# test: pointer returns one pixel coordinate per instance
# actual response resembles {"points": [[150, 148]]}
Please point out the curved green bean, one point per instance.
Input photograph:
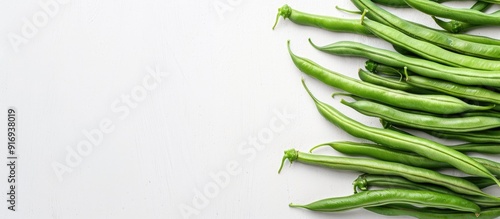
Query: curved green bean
{"points": [[419, 121], [383, 153], [430, 51], [396, 140], [459, 14], [441, 104], [363, 182], [392, 196], [414, 174], [418, 66], [323, 22], [425, 213], [478, 148], [454, 89]]}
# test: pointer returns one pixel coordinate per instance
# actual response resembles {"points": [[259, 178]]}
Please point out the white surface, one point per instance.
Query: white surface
{"points": [[225, 76]]}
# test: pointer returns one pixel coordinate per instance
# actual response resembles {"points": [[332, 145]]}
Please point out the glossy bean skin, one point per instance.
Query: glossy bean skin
{"points": [[398, 141], [454, 89], [478, 148], [375, 67], [418, 66], [419, 121], [414, 174], [392, 196], [440, 104], [430, 51], [480, 182], [401, 31], [426, 213], [488, 113], [455, 26], [381, 152], [365, 181], [324, 22], [459, 14]]}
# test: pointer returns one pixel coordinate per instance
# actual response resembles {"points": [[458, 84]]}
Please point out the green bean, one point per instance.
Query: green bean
{"points": [[441, 104], [480, 182], [398, 141], [401, 31], [419, 121], [477, 39], [454, 89], [375, 67], [383, 153], [363, 182], [455, 26], [323, 22], [391, 196], [393, 3], [418, 66], [488, 113], [489, 136], [425, 213], [390, 83], [430, 51], [415, 174], [478, 148], [459, 14]]}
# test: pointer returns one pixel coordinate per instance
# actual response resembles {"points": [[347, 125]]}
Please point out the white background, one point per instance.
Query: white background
{"points": [[225, 76]]}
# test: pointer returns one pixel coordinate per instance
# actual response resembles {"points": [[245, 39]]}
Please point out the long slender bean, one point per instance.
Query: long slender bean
{"points": [[419, 121], [418, 66], [454, 89], [390, 196], [478, 148], [459, 14], [415, 174], [324, 22], [365, 181], [441, 104], [425, 213]]}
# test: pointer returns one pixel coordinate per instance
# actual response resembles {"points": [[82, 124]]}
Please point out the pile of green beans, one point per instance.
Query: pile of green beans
{"points": [[439, 82]]}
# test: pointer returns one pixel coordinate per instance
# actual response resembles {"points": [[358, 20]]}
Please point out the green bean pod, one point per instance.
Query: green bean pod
{"points": [[327, 23], [489, 136], [383, 153], [392, 196], [386, 154], [478, 148], [390, 83], [430, 51], [419, 121], [405, 30], [375, 67], [454, 89], [440, 104], [419, 66], [455, 26], [398, 141], [415, 174], [480, 182], [427, 213], [459, 14], [488, 113], [363, 182]]}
